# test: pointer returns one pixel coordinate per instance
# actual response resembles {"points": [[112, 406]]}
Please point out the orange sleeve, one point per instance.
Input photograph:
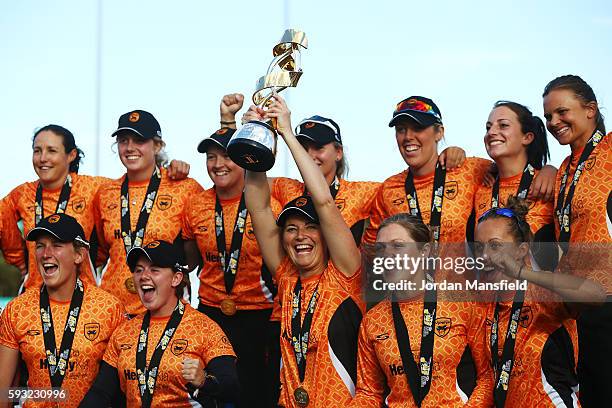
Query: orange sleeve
{"points": [[214, 342], [7, 330], [482, 396], [13, 245], [377, 216], [111, 355], [186, 231], [371, 381]]}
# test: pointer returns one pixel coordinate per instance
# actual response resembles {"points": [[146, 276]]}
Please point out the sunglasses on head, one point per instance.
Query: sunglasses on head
{"points": [[504, 212], [416, 105]]}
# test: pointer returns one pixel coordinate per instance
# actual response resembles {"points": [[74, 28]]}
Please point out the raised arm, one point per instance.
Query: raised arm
{"points": [[257, 197], [578, 292], [342, 248]]}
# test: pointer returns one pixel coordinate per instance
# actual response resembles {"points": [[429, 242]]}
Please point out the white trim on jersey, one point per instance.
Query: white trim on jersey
{"points": [[344, 375], [554, 396], [462, 394]]}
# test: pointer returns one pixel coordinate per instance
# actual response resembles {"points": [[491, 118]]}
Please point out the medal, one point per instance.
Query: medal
{"points": [[228, 307], [301, 397], [130, 285]]}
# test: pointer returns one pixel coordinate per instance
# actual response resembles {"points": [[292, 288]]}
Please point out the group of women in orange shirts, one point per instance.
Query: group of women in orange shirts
{"points": [[282, 280]]}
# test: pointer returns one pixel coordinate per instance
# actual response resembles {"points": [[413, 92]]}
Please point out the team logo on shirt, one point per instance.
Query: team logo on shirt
{"points": [[590, 163], [92, 330], [381, 337], [442, 326], [78, 205], [340, 203], [202, 228], [451, 188], [179, 346], [164, 202], [526, 316], [33, 332], [221, 131]]}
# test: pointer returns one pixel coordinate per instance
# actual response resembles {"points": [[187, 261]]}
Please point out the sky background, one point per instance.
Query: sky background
{"points": [[177, 59]]}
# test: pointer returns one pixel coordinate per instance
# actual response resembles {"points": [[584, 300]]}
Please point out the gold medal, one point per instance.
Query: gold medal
{"points": [[130, 285], [228, 307], [301, 397]]}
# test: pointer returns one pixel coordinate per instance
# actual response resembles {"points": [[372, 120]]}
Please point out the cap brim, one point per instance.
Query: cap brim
{"points": [[422, 119], [37, 231], [133, 254], [282, 217], [206, 143], [121, 129]]}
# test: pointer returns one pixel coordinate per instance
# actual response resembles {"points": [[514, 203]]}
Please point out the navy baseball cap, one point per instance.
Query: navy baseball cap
{"points": [[301, 205], [420, 109], [140, 122], [161, 253], [319, 130], [220, 138], [61, 226]]}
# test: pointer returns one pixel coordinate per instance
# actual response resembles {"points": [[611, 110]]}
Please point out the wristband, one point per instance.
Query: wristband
{"points": [[227, 122]]}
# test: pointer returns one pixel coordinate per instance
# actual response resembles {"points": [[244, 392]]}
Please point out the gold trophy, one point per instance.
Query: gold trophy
{"points": [[254, 146]]}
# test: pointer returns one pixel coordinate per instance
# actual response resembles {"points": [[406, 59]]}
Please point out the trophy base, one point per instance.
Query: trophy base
{"points": [[253, 147]]}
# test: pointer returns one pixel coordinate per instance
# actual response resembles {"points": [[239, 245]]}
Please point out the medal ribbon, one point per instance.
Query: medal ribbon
{"points": [[437, 197], [523, 188], [62, 201], [229, 262], [147, 375], [564, 203], [502, 368], [135, 238], [57, 364], [419, 376], [300, 332]]}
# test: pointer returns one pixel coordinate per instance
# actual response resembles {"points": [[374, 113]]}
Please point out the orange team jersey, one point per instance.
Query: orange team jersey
{"points": [[21, 329], [196, 337], [380, 368], [331, 358], [253, 288], [545, 352], [164, 224], [20, 205], [540, 212], [591, 214], [459, 190], [354, 200]]}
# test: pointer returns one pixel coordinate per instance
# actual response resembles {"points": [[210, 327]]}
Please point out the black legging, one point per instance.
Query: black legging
{"points": [[247, 330]]}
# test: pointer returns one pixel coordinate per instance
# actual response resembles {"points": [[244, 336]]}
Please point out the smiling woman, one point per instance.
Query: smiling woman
{"points": [[200, 364], [56, 159], [143, 205], [62, 330]]}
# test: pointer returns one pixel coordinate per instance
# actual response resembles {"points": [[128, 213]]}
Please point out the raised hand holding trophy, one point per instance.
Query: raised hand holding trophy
{"points": [[254, 146]]}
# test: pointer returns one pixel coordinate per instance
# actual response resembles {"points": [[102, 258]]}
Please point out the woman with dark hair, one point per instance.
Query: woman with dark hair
{"points": [[583, 210], [531, 351], [171, 354], [60, 330], [388, 371], [236, 289], [59, 189], [516, 140], [143, 205], [313, 254]]}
